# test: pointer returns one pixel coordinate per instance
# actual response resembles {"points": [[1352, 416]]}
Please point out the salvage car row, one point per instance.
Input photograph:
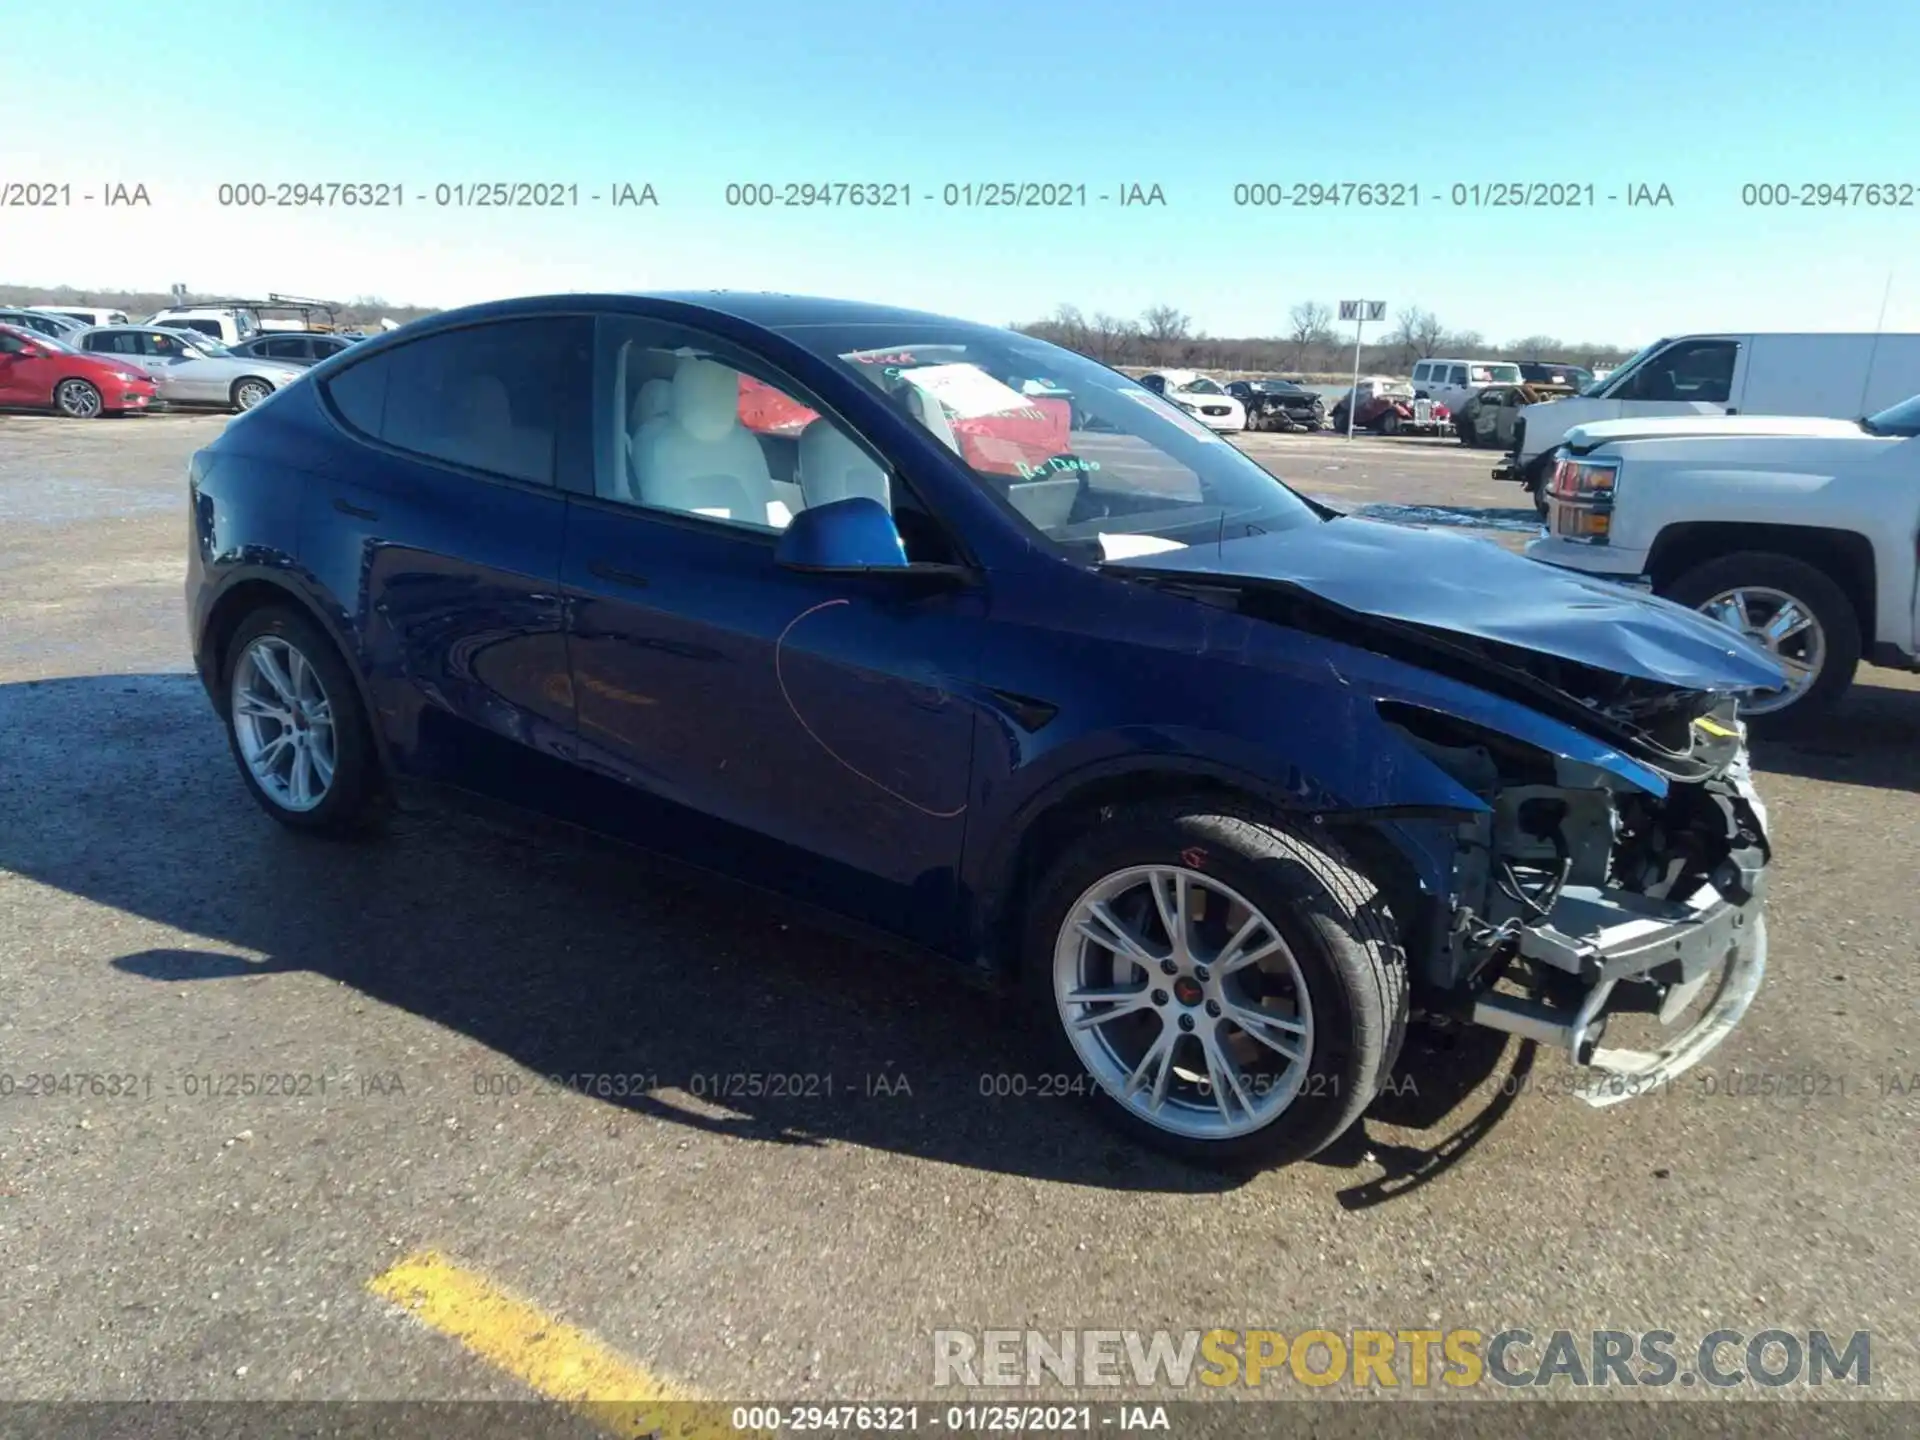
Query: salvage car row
{"points": [[87, 362]]}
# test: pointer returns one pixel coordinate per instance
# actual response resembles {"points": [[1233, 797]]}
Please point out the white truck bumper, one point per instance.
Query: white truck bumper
{"points": [[1609, 561]]}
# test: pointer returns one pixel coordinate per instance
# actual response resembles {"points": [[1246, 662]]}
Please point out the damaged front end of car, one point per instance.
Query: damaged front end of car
{"points": [[1605, 869], [1579, 897]]}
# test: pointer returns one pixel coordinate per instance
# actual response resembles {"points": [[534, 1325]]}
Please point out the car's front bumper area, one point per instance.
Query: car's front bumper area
{"points": [[1616, 952]]}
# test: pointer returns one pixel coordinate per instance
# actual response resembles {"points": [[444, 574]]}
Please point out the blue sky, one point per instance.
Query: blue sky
{"points": [[1698, 97]]}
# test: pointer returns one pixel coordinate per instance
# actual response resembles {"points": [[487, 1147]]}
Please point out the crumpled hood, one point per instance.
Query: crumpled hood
{"points": [[1453, 583]]}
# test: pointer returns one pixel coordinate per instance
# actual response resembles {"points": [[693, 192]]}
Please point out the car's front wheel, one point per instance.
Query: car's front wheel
{"points": [[249, 392], [1792, 610], [1231, 987], [296, 725], [77, 400]]}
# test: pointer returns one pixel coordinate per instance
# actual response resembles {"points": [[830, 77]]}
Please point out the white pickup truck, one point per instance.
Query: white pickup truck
{"points": [[1798, 530]]}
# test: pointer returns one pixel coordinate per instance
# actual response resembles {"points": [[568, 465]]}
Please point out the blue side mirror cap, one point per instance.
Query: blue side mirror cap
{"points": [[852, 534]]}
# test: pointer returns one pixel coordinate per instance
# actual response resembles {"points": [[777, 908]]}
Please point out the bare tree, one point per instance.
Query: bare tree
{"points": [[1111, 337], [1164, 325], [1312, 329], [1416, 334], [1534, 347]]}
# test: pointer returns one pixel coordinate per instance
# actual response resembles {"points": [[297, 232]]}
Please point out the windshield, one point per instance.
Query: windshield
{"points": [[1100, 464], [1494, 374], [1202, 386], [1902, 419], [1276, 387], [42, 339]]}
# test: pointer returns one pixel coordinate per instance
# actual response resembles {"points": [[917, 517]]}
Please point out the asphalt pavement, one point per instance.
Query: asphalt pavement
{"points": [[244, 1075]]}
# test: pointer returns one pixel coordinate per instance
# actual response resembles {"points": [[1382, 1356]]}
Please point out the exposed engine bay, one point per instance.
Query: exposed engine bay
{"points": [[1578, 897]]}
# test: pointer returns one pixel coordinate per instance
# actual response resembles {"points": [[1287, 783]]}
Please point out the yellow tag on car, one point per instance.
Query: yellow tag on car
{"points": [[1714, 727]]}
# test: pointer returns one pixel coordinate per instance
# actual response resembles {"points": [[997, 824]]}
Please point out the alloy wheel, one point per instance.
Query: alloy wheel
{"points": [[77, 399], [1781, 625], [283, 721], [250, 394], [1183, 1001]]}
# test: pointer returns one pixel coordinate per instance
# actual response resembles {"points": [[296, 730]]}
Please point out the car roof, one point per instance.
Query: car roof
{"points": [[768, 310]]}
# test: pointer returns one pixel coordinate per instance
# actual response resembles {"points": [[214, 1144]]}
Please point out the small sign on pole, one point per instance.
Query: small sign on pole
{"points": [[1360, 312], [180, 293]]}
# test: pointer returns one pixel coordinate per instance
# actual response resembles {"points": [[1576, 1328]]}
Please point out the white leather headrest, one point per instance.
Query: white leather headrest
{"points": [[706, 398], [833, 468]]}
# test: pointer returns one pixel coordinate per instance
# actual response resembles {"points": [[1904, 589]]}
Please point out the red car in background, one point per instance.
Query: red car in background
{"points": [[39, 372]]}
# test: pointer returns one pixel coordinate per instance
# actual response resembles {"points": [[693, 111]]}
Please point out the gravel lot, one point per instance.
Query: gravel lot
{"points": [[180, 1244]]}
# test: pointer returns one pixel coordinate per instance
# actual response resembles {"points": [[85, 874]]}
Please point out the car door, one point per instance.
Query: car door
{"points": [[1695, 376], [440, 531], [807, 731], [25, 376]]}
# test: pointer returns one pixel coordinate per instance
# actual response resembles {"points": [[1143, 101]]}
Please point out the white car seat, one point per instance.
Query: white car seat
{"points": [[928, 410], [701, 459], [651, 406], [833, 468]]}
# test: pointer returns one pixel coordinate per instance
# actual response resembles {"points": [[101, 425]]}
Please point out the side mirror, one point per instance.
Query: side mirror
{"points": [[852, 535]]}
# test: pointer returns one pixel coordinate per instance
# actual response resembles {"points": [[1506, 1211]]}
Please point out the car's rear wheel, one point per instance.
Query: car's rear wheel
{"points": [[1232, 987], [1389, 423], [1463, 427], [78, 400], [296, 725], [249, 392], [1792, 610]]}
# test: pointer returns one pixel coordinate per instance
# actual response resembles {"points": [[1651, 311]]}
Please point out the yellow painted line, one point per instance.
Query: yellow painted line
{"points": [[554, 1359]]}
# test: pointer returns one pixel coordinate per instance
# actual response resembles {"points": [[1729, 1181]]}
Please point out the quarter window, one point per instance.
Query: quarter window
{"points": [[290, 348], [487, 398]]}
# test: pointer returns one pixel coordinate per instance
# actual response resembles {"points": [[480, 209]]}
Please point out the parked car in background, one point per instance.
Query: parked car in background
{"points": [[1838, 376], [1226, 785], [1204, 399], [1555, 378], [39, 372], [303, 348], [187, 367], [58, 326], [228, 326], [1798, 531], [1392, 408], [1279, 405], [83, 315], [1452, 382], [1488, 418]]}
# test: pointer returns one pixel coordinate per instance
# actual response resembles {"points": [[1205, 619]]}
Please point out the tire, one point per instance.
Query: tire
{"points": [[1536, 483], [1388, 424], [78, 400], [248, 391], [1463, 428], [353, 799], [1760, 576], [1338, 964]]}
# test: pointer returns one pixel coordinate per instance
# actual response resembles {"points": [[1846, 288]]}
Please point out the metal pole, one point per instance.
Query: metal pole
{"points": [[1353, 395]]}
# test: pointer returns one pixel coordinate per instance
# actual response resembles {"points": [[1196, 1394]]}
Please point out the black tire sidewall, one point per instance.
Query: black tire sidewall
{"points": [[353, 802], [1340, 1081], [1808, 585]]}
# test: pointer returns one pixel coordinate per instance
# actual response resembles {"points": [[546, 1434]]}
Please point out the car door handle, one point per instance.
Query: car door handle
{"points": [[347, 507], [602, 570]]}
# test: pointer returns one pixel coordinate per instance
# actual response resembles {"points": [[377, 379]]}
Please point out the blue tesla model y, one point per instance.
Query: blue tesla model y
{"points": [[988, 652]]}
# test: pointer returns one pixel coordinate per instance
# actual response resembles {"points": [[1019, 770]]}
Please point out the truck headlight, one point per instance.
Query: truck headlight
{"points": [[1581, 492]]}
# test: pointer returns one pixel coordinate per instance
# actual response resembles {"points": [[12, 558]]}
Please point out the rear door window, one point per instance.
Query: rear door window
{"points": [[487, 397]]}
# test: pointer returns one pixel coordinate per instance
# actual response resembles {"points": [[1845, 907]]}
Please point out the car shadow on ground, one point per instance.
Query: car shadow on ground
{"points": [[1871, 738], [572, 958]]}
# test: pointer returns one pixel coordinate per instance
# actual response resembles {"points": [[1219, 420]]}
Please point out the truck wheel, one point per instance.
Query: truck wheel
{"points": [[1536, 483], [1230, 985], [1792, 610]]}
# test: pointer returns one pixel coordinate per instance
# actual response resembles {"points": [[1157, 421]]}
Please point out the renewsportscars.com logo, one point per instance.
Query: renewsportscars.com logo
{"points": [[1398, 1359]]}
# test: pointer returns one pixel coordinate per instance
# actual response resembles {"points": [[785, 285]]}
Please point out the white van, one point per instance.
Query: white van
{"points": [[229, 327], [85, 314], [1454, 382], [1838, 376]]}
